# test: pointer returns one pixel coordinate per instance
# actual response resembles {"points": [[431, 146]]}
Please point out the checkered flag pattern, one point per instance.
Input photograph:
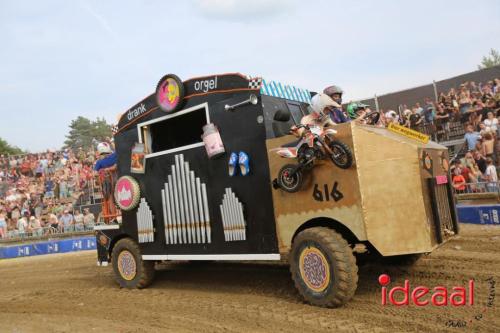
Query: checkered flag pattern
{"points": [[114, 129], [255, 83]]}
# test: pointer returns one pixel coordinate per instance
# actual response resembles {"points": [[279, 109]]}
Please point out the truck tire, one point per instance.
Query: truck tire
{"points": [[129, 268], [323, 267]]}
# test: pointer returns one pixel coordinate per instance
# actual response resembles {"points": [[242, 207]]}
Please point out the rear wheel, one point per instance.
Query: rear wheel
{"points": [[323, 267], [288, 180], [129, 268]]}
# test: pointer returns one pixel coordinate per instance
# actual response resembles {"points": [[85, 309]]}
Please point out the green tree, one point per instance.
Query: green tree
{"points": [[83, 132], [491, 60], [6, 148]]}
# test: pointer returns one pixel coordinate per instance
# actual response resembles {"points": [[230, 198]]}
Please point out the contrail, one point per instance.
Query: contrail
{"points": [[102, 21]]}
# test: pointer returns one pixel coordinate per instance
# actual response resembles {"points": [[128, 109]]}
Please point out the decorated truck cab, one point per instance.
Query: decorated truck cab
{"points": [[200, 178]]}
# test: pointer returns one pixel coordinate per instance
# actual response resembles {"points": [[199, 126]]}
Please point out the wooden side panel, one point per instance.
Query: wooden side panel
{"points": [[315, 199], [391, 189]]}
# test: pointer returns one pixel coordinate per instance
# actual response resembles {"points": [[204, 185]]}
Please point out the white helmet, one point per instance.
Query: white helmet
{"points": [[321, 101], [104, 148]]}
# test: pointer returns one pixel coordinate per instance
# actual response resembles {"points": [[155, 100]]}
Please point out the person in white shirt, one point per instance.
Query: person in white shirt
{"points": [[79, 221], [491, 175], [22, 225], [491, 122]]}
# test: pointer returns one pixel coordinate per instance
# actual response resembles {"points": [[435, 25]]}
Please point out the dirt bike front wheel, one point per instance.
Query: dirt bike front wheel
{"points": [[341, 154], [288, 180]]}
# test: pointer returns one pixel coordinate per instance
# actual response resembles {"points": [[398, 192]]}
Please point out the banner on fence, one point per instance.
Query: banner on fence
{"points": [[479, 214], [48, 247]]}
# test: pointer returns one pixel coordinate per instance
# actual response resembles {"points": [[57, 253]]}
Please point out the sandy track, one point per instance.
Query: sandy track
{"points": [[69, 293]]}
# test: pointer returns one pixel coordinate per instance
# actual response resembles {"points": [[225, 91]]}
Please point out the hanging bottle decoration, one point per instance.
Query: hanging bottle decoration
{"points": [[213, 142]]}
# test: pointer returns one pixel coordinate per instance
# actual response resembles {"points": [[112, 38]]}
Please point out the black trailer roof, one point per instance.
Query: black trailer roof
{"points": [[148, 109]]}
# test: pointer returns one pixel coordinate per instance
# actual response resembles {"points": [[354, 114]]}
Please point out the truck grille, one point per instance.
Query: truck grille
{"points": [[443, 207]]}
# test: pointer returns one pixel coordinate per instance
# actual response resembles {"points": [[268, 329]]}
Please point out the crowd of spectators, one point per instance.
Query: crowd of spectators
{"points": [[476, 110], [471, 104], [37, 192]]}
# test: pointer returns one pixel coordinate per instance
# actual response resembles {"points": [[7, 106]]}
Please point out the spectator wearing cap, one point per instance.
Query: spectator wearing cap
{"points": [[429, 111], [67, 221]]}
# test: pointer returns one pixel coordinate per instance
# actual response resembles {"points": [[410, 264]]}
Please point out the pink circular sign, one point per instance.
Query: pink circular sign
{"points": [[168, 94], [127, 192]]}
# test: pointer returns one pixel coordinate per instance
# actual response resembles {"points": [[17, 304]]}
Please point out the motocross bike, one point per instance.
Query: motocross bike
{"points": [[316, 143]]}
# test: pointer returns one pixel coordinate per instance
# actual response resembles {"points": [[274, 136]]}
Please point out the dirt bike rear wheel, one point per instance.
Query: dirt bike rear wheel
{"points": [[342, 154], [286, 181]]}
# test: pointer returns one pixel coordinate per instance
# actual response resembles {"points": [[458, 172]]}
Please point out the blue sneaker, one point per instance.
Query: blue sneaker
{"points": [[233, 159], [244, 162]]}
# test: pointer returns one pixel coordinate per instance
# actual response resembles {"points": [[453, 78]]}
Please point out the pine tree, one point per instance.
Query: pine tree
{"points": [[491, 60], [6, 148], [84, 132]]}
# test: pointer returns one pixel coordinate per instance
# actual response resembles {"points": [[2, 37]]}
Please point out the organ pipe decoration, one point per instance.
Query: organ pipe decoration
{"points": [[145, 228], [233, 220], [185, 206]]}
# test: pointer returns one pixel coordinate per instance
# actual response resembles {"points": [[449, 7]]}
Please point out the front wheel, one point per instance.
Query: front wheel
{"points": [[288, 180], [129, 268], [323, 267], [341, 154]]}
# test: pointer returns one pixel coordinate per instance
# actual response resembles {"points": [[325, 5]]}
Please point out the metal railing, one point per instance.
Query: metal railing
{"points": [[46, 232], [478, 188], [448, 131]]}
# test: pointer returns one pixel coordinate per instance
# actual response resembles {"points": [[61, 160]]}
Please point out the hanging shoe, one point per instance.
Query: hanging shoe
{"points": [[233, 159], [244, 162]]}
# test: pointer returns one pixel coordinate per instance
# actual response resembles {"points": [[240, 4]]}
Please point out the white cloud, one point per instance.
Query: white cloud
{"points": [[242, 10]]}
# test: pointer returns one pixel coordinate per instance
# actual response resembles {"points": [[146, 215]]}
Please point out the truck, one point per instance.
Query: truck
{"points": [[197, 176]]}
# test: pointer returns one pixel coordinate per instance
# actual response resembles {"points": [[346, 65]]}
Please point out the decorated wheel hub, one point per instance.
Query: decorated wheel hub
{"points": [[127, 193], [127, 265], [314, 269]]}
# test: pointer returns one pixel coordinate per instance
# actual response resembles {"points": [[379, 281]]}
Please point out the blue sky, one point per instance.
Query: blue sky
{"points": [[62, 59]]}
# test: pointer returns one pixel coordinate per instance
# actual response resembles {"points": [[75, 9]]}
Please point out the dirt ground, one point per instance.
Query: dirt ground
{"points": [[69, 293]]}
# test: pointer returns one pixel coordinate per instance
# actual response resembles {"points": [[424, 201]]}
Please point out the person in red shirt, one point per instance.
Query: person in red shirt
{"points": [[459, 181], [464, 171]]}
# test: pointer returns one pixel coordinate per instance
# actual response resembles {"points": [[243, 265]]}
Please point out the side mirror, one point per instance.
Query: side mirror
{"points": [[282, 115]]}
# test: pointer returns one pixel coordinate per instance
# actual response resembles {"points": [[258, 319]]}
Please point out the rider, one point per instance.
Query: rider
{"points": [[356, 110], [336, 114], [321, 105], [107, 157]]}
